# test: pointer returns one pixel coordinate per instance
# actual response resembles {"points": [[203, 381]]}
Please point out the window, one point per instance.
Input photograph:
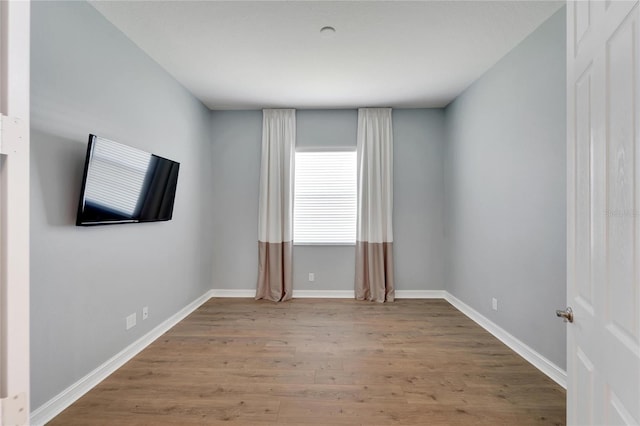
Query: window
{"points": [[324, 209]]}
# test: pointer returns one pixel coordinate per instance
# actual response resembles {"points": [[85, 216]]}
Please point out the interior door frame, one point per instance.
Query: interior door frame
{"points": [[15, 18]]}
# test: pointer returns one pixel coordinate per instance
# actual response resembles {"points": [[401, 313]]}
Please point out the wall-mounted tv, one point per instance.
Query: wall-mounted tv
{"points": [[122, 184]]}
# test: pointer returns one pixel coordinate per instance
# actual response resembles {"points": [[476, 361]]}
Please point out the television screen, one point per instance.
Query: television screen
{"points": [[122, 184]]}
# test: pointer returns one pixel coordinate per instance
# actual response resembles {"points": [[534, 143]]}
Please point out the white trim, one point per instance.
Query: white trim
{"points": [[225, 292], [325, 148], [333, 294], [554, 372], [324, 294], [15, 22], [301, 294], [420, 294], [64, 399]]}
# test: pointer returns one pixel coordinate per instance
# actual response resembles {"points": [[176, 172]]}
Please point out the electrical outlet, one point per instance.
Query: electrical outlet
{"points": [[131, 321], [312, 276], [145, 313], [494, 304]]}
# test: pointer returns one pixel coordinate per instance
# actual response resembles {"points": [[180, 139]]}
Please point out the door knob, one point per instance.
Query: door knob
{"points": [[567, 314]]}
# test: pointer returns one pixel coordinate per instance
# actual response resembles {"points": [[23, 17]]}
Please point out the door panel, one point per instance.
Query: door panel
{"points": [[582, 20], [583, 232], [585, 381], [603, 207], [616, 413], [621, 59]]}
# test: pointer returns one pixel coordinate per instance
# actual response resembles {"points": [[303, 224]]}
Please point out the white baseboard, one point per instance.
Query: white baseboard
{"points": [[301, 294], [420, 294], [223, 292], [332, 294], [554, 372], [324, 294], [64, 399], [350, 294]]}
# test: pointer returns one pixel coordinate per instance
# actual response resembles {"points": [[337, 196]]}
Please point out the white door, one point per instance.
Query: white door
{"points": [[603, 207]]}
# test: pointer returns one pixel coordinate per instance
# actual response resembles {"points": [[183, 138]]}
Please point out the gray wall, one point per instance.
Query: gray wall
{"points": [[418, 199], [418, 211], [88, 77], [236, 143], [503, 197], [505, 191]]}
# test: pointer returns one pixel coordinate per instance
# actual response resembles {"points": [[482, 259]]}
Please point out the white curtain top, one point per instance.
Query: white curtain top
{"points": [[375, 175], [275, 216]]}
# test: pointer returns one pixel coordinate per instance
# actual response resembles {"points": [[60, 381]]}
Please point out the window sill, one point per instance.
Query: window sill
{"points": [[325, 244]]}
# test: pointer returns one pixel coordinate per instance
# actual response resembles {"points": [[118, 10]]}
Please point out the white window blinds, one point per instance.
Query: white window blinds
{"points": [[325, 197]]}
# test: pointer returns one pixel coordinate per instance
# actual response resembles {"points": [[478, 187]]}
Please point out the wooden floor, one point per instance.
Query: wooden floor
{"points": [[323, 362]]}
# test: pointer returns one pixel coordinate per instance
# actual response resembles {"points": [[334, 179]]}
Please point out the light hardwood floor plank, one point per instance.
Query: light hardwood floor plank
{"points": [[323, 362]]}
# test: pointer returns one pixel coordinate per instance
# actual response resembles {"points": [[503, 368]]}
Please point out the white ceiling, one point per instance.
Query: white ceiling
{"points": [[259, 54]]}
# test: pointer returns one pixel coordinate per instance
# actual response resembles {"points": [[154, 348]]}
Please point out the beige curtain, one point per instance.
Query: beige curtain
{"points": [[276, 205], [374, 235]]}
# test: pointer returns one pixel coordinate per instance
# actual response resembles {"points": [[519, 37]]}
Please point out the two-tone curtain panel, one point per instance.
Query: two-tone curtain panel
{"points": [[374, 232], [275, 223]]}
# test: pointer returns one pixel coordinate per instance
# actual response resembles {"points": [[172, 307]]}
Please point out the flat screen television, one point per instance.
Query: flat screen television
{"points": [[122, 184]]}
